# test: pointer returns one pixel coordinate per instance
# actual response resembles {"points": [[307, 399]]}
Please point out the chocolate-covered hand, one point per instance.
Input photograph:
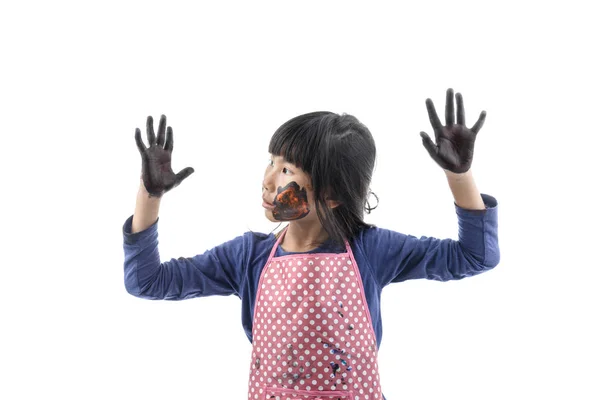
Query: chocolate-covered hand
{"points": [[453, 150], [157, 175]]}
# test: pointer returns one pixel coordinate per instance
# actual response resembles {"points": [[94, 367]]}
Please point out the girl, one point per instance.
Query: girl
{"points": [[310, 295]]}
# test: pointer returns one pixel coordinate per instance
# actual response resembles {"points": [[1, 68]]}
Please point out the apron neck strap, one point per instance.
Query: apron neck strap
{"points": [[283, 232]]}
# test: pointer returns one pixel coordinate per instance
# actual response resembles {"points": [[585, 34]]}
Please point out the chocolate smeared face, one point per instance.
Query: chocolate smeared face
{"points": [[290, 203]]}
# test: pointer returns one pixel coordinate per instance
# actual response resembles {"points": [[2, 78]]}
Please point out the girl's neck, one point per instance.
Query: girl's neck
{"points": [[301, 238]]}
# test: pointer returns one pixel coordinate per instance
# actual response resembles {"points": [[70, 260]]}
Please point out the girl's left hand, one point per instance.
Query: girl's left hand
{"points": [[453, 150]]}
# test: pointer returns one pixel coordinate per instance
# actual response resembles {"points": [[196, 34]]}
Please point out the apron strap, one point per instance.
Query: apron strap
{"points": [[274, 249]]}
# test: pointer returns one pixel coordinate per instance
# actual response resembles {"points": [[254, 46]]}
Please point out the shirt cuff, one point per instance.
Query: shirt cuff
{"points": [[491, 206], [132, 238]]}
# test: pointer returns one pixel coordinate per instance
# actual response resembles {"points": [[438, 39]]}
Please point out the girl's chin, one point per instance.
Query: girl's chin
{"points": [[270, 217]]}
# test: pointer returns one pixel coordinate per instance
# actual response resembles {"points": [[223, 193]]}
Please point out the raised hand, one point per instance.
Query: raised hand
{"points": [[453, 150], [157, 175]]}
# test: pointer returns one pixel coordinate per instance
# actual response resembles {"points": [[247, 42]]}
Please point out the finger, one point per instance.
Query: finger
{"points": [[184, 173], [169, 142], [429, 145], [479, 122], [150, 131], [449, 107], [160, 141], [138, 140], [460, 110], [433, 117]]}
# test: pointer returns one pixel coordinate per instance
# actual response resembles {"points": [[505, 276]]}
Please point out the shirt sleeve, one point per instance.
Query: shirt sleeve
{"points": [[216, 272], [396, 257]]}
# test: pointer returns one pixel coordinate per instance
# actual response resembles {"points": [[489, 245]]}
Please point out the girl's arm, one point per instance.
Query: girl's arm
{"points": [[146, 210], [465, 191], [217, 271], [408, 257], [396, 257]]}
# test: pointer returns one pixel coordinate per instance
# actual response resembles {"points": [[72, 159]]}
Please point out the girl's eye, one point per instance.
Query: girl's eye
{"points": [[285, 170]]}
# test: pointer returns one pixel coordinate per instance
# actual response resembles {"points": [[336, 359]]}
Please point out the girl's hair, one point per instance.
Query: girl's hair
{"points": [[338, 153]]}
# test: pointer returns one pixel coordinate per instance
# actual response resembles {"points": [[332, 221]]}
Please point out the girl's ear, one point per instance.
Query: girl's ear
{"points": [[330, 200], [332, 203]]}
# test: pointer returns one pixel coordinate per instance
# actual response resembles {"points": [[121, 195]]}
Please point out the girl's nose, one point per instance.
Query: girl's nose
{"points": [[267, 186], [268, 182]]}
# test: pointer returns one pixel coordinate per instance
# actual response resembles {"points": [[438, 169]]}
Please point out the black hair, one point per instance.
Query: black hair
{"points": [[338, 153]]}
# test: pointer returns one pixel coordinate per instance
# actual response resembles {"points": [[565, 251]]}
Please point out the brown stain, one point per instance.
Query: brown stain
{"points": [[291, 202]]}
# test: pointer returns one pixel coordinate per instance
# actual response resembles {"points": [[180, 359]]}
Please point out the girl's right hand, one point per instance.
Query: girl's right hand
{"points": [[157, 175]]}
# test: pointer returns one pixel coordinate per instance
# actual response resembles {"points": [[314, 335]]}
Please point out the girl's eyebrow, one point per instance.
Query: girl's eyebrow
{"points": [[284, 161], [281, 159]]}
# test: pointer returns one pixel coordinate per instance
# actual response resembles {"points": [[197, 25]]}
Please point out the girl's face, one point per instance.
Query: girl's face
{"points": [[287, 193]]}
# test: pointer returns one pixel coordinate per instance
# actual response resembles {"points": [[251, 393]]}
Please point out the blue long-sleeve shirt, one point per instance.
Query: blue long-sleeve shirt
{"points": [[383, 256]]}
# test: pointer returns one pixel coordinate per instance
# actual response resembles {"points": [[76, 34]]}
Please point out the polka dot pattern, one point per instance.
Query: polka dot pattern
{"points": [[312, 332]]}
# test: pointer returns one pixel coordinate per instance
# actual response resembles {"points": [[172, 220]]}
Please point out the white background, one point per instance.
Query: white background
{"points": [[77, 78]]}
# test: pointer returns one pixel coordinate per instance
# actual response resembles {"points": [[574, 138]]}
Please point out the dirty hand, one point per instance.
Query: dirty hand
{"points": [[453, 150], [157, 175]]}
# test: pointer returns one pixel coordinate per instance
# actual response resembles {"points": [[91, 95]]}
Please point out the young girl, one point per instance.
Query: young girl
{"points": [[310, 295]]}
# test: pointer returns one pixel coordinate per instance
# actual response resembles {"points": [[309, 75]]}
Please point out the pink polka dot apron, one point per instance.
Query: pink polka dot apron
{"points": [[313, 337]]}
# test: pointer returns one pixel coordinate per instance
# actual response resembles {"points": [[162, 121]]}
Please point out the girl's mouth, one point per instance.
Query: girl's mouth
{"points": [[268, 205]]}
